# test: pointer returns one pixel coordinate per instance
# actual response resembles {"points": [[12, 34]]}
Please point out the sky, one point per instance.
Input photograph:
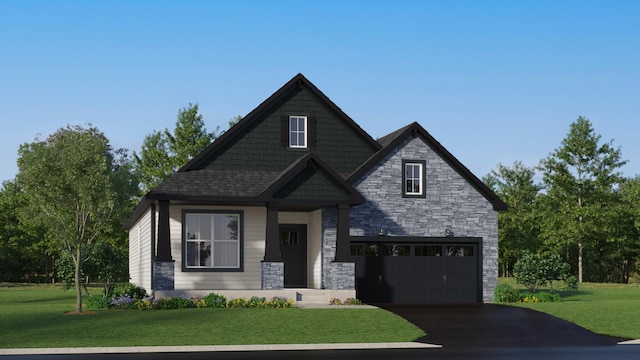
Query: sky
{"points": [[493, 81]]}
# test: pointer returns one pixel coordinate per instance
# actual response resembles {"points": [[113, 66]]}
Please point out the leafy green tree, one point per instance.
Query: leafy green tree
{"points": [[518, 228], [579, 179], [165, 152], [536, 270], [69, 180]]}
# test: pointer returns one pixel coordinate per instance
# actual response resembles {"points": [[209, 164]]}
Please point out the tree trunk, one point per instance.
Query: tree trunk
{"points": [[580, 246], [78, 264]]}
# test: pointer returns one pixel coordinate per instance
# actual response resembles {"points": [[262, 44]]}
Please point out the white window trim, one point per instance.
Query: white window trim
{"points": [[419, 179], [305, 131], [212, 242]]}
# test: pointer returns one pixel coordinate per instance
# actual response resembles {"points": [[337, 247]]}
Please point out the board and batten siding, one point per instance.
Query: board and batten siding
{"points": [[140, 254], [451, 202], [253, 252]]}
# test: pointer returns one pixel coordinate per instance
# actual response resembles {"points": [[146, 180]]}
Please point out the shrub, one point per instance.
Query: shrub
{"points": [[256, 302], [214, 300], [135, 291], [97, 302], [122, 302], [237, 303], [540, 297], [351, 301], [280, 302], [535, 270], [335, 301], [571, 283], [173, 303], [148, 303], [506, 293]]}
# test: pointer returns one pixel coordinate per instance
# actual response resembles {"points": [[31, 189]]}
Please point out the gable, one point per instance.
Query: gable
{"points": [[312, 184], [432, 151], [256, 141]]}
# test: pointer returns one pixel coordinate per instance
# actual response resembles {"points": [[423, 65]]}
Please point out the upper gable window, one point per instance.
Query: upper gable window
{"points": [[413, 178], [298, 131]]}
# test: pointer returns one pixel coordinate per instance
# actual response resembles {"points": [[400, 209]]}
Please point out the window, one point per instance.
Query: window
{"points": [[462, 250], [298, 131], [428, 250], [212, 240], [413, 178]]}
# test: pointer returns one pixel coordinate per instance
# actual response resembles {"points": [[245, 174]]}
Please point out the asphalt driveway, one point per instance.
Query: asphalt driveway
{"points": [[495, 326]]}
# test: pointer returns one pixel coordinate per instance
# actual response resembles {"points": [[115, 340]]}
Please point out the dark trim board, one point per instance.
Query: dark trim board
{"points": [[398, 270]]}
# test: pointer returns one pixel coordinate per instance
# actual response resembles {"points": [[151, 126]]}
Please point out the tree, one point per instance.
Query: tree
{"points": [[518, 228], [165, 152], [69, 180], [23, 255], [579, 179]]}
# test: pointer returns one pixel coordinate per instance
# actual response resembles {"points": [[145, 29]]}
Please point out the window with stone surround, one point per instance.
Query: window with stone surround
{"points": [[413, 178]]}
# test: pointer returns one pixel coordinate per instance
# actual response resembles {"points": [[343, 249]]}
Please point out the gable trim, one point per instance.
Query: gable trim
{"points": [[297, 167]]}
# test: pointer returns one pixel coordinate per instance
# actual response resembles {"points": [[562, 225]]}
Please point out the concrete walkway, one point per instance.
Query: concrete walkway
{"points": [[206, 348]]}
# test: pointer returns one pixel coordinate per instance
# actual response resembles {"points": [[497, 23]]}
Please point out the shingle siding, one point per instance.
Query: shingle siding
{"points": [[451, 202], [258, 146]]}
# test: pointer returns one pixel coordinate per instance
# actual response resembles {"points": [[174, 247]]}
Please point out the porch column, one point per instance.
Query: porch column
{"points": [[272, 238], [343, 243], [163, 250], [163, 267]]}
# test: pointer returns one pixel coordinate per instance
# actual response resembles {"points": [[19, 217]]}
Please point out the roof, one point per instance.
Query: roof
{"points": [[393, 140]]}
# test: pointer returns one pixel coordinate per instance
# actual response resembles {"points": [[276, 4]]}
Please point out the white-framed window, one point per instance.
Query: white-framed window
{"points": [[212, 240], [298, 131], [413, 178]]}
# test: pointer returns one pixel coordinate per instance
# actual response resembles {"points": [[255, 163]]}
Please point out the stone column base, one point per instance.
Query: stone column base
{"points": [[272, 275], [163, 275], [342, 276]]}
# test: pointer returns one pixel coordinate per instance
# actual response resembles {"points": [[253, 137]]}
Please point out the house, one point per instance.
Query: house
{"points": [[296, 199]]}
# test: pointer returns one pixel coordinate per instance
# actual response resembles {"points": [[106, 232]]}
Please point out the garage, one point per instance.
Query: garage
{"points": [[417, 270]]}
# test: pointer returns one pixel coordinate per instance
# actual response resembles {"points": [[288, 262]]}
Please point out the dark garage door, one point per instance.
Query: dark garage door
{"points": [[417, 273]]}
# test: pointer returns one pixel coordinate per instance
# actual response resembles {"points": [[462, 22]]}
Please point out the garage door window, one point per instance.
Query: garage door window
{"points": [[428, 250], [464, 250], [396, 250], [364, 250]]}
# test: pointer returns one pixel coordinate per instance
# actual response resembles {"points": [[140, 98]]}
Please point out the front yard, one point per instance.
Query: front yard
{"points": [[34, 316], [609, 309]]}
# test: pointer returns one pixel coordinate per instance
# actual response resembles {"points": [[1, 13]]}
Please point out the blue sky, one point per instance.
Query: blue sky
{"points": [[493, 81]]}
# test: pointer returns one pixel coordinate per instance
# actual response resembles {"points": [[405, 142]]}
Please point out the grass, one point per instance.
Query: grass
{"points": [[34, 316], [609, 309]]}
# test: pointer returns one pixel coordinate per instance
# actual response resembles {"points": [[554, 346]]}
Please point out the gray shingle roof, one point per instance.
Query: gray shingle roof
{"points": [[215, 183]]}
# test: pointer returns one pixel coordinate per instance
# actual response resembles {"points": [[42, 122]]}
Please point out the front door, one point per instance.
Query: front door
{"points": [[293, 248]]}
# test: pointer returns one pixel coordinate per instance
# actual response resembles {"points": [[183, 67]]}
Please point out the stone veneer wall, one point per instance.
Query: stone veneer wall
{"points": [[164, 275], [272, 275], [451, 202], [335, 275]]}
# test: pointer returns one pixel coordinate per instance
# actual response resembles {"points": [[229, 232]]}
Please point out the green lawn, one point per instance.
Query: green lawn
{"points": [[34, 316], [610, 309]]}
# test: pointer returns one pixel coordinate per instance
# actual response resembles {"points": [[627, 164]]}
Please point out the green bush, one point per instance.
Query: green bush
{"points": [[134, 291], [571, 283], [96, 302], [214, 300], [535, 270], [540, 297], [173, 303], [279, 302], [506, 293]]}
